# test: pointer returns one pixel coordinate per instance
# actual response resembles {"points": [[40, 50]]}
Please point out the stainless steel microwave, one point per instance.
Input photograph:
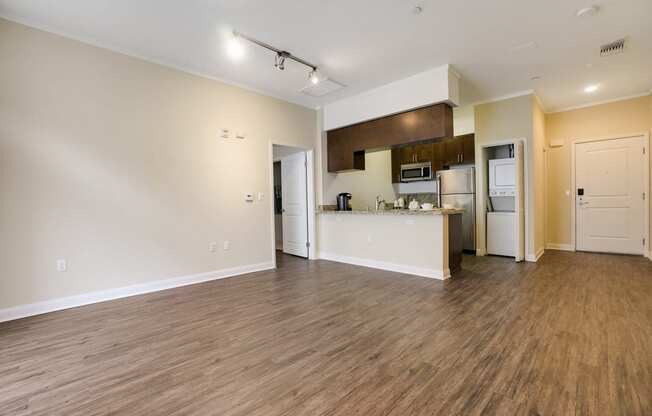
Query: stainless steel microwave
{"points": [[416, 172]]}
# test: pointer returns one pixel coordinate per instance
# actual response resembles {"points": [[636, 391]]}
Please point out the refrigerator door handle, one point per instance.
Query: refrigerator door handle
{"points": [[438, 179]]}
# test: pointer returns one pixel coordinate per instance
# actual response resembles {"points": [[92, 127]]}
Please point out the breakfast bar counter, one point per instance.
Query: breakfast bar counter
{"points": [[422, 243]]}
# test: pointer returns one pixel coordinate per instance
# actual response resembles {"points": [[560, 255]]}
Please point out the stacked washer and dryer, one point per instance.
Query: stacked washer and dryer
{"points": [[501, 216]]}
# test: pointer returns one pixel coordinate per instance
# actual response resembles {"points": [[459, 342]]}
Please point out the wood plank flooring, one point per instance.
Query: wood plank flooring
{"points": [[571, 334]]}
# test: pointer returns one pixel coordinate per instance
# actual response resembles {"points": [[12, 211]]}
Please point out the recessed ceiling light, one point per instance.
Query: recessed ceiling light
{"points": [[587, 11], [591, 88]]}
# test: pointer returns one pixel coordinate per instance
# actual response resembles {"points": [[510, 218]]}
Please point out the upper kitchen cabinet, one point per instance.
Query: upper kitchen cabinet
{"points": [[407, 155], [346, 145], [459, 150], [441, 153]]}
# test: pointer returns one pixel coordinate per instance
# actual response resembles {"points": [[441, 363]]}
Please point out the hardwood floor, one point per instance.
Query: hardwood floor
{"points": [[571, 334]]}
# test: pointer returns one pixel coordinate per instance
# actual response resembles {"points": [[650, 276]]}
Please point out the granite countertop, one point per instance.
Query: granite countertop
{"points": [[436, 211]]}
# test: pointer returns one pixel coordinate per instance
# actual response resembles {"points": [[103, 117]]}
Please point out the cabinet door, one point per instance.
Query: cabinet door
{"points": [[396, 165], [438, 156], [408, 155], [452, 151], [468, 148], [423, 152]]}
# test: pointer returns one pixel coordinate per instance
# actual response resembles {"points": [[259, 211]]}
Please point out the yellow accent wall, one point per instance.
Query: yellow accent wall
{"points": [[606, 120]]}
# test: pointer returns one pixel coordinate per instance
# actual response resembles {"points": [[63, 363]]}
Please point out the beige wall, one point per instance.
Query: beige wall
{"points": [[612, 119], [499, 121], [364, 185], [116, 165]]}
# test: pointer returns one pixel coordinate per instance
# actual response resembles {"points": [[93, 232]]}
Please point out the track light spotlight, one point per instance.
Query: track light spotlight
{"points": [[279, 60], [313, 76]]}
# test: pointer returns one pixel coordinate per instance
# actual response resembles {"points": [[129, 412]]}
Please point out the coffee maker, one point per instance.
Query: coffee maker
{"points": [[343, 201]]}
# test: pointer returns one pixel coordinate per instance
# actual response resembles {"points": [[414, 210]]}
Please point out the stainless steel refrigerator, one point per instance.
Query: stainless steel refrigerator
{"points": [[457, 188]]}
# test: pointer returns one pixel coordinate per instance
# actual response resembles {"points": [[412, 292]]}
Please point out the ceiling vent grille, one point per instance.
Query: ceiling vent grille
{"points": [[324, 87], [613, 48]]}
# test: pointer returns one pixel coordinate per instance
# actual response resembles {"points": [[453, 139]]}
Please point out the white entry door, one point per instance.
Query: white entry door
{"points": [[610, 195], [295, 204]]}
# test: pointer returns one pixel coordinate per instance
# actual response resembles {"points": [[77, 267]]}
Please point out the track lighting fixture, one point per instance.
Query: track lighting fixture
{"points": [[279, 60], [281, 56], [313, 76]]}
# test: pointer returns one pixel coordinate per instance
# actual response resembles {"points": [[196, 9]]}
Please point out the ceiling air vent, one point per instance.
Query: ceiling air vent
{"points": [[613, 48], [324, 87]]}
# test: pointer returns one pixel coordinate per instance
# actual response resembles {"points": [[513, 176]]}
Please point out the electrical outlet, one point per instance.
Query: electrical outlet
{"points": [[227, 245], [62, 265], [212, 247]]}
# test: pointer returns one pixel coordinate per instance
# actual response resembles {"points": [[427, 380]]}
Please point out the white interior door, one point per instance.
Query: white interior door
{"points": [[519, 201], [610, 195], [295, 204]]}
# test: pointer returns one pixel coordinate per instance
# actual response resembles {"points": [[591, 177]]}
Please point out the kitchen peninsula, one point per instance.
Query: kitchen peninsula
{"points": [[422, 243]]}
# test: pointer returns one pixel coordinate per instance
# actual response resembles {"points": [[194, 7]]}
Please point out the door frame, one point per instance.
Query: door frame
{"points": [[310, 195], [646, 185], [482, 192]]}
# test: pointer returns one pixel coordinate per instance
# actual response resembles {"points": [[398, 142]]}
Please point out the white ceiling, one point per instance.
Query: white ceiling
{"points": [[367, 43]]}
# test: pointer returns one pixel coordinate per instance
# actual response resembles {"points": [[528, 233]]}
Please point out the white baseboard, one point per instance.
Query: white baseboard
{"points": [[534, 258], [32, 309], [562, 247], [392, 267]]}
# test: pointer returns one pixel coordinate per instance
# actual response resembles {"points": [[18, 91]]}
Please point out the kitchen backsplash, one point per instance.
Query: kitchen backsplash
{"points": [[432, 198]]}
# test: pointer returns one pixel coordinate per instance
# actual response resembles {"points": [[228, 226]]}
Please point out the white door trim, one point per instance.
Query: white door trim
{"points": [[310, 188], [646, 184]]}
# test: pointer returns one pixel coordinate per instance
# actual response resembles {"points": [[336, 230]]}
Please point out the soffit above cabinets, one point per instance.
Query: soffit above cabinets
{"points": [[438, 85]]}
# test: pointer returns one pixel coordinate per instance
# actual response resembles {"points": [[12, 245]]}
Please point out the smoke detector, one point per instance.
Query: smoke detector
{"points": [[613, 48]]}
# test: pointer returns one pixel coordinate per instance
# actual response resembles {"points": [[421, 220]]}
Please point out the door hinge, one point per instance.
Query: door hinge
{"points": [[643, 241], [643, 195], [308, 244], [644, 150]]}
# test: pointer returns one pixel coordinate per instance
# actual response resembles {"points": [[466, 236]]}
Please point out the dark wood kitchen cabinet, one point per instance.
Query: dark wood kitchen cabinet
{"points": [[441, 153], [346, 145], [459, 150], [407, 155]]}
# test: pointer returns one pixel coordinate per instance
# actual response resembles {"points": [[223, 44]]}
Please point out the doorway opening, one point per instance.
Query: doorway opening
{"points": [[502, 202], [291, 186], [610, 182]]}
